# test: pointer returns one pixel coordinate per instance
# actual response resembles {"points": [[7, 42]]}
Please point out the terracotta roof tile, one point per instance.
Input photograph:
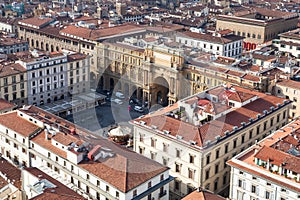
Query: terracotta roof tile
{"points": [[12, 172], [203, 195], [36, 21], [5, 105], [12, 121], [40, 140]]}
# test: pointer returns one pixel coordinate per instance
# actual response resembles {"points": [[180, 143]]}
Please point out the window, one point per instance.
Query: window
{"points": [[161, 177], [234, 143], [107, 188], [216, 168], [141, 150], [177, 153], [243, 139], [271, 122], [240, 183], [165, 147], [134, 193], [177, 167], [207, 174], [49, 154], [141, 138], [191, 173], [257, 130], [216, 185], [253, 188], [226, 148], [250, 134], [265, 126], [165, 161], [284, 114], [192, 158], [117, 194], [149, 184], [208, 159], [153, 155], [152, 142], [217, 153], [88, 177], [295, 99], [267, 195]]}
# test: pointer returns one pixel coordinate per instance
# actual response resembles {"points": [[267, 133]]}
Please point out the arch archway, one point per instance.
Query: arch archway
{"points": [[52, 48], [37, 44], [159, 91], [47, 47], [42, 45]]}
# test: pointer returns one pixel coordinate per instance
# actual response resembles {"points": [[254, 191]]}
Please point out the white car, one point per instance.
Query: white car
{"points": [[117, 101], [138, 109], [120, 95]]}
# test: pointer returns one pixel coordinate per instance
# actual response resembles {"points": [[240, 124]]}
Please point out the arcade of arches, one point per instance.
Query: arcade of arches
{"points": [[157, 92]]}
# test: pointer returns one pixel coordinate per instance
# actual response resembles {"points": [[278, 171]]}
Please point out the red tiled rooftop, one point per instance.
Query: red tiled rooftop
{"points": [[289, 83], [5, 105], [99, 33], [268, 150], [11, 69], [40, 140], [12, 172], [36, 21], [12, 121], [61, 191], [203, 195], [3, 182]]}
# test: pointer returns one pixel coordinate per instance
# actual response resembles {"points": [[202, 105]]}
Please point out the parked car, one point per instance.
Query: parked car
{"points": [[139, 109], [120, 95], [117, 101]]}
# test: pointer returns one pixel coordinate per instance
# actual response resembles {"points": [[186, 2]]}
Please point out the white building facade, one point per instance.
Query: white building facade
{"points": [[228, 45], [267, 170], [54, 76], [55, 150], [196, 151]]}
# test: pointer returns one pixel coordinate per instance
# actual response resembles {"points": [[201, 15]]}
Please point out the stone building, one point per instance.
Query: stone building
{"points": [[197, 135], [258, 25]]}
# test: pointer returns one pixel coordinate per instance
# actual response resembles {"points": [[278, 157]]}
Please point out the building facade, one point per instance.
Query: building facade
{"points": [[12, 45], [289, 89], [258, 26], [96, 168], [13, 81], [220, 44], [197, 135], [152, 74], [55, 76], [268, 169]]}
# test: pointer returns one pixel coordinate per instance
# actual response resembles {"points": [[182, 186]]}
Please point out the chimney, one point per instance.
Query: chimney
{"points": [[46, 134]]}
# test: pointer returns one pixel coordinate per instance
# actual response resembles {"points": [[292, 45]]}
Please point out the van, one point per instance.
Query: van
{"points": [[120, 95]]}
